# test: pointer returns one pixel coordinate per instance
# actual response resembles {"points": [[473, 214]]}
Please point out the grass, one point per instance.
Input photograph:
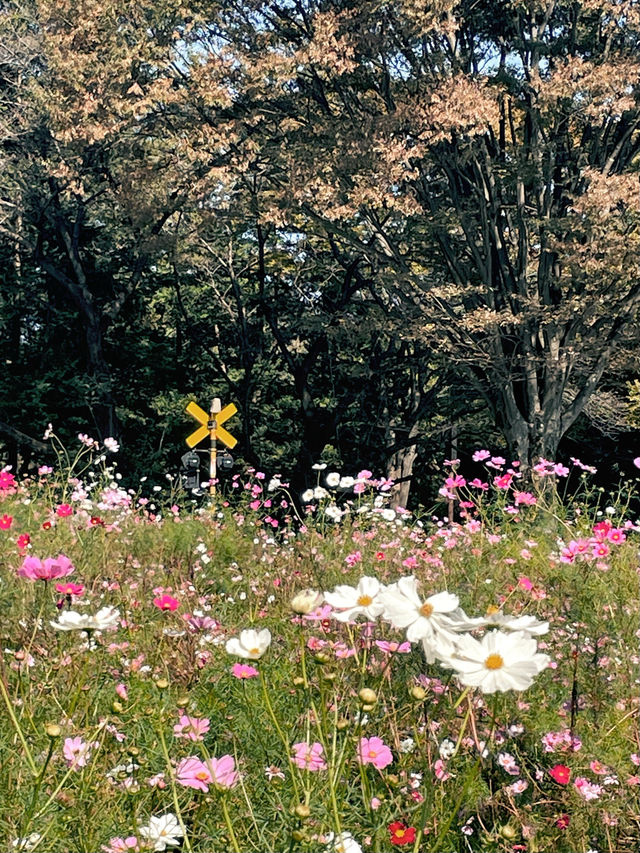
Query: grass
{"points": [[469, 771]]}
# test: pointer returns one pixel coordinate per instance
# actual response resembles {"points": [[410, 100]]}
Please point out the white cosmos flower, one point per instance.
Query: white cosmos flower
{"points": [[432, 620], [346, 482], [305, 601], [70, 620], [29, 842], [319, 493], [342, 843], [334, 512], [332, 479], [498, 662], [251, 644], [307, 496], [528, 624], [362, 600], [163, 831]]}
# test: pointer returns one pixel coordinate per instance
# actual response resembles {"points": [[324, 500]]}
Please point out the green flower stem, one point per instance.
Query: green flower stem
{"points": [[36, 788], [17, 727], [285, 742], [229, 825], [174, 790]]}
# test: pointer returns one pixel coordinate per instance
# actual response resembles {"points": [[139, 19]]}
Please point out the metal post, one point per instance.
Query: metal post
{"points": [[216, 407]]}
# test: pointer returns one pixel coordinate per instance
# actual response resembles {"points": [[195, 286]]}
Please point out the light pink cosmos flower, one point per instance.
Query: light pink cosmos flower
{"points": [[77, 751], [587, 789], [309, 756], [192, 728], [193, 773], [373, 750], [50, 569], [123, 845]]}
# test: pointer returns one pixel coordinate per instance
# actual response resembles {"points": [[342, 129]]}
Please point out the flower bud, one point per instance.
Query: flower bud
{"points": [[306, 600], [329, 676], [298, 681], [117, 707], [418, 693], [53, 730], [302, 811], [321, 657], [368, 696], [162, 684], [507, 831]]}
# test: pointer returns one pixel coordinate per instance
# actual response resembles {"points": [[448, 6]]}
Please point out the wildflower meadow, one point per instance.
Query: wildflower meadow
{"points": [[263, 671]]}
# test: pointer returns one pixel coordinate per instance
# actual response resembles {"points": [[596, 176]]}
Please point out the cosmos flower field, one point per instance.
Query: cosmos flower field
{"points": [[267, 672]]}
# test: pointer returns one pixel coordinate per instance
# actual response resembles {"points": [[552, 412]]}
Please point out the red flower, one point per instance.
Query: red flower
{"points": [[563, 821], [6, 521], [401, 834], [46, 525], [561, 774], [23, 540], [96, 521]]}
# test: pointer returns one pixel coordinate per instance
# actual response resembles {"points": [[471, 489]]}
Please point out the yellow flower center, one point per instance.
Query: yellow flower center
{"points": [[365, 600], [254, 651], [494, 662], [400, 833], [372, 753], [202, 775], [426, 610], [491, 609]]}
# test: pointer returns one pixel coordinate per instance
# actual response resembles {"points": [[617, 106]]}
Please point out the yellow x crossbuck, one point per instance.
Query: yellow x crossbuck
{"points": [[206, 419]]}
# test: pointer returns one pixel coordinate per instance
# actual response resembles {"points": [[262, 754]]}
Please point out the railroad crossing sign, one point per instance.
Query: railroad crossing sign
{"points": [[211, 424]]}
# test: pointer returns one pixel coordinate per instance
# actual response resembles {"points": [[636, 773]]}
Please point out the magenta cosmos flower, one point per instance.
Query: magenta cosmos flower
{"points": [[193, 773], [46, 570], [166, 602], [373, 750], [309, 756]]}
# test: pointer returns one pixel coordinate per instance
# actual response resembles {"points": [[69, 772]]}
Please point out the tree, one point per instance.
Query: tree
{"points": [[479, 158]]}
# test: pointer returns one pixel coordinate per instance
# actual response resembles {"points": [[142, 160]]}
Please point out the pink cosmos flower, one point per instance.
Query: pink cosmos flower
{"points": [[52, 568], [309, 757], [392, 647], [373, 750], [192, 728], [166, 602], [193, 773], [77, 751], [6, 521], [243, 670], [64, 510]]}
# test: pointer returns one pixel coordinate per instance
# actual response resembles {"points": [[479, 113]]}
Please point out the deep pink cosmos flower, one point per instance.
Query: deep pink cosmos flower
{"points": [[6, 521], [47, 570], [64, 510], [373, 750], [309, 756], [166, 602], [193, 728], [7, 482], [69, 588], [561, 774], [23, 540]]}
